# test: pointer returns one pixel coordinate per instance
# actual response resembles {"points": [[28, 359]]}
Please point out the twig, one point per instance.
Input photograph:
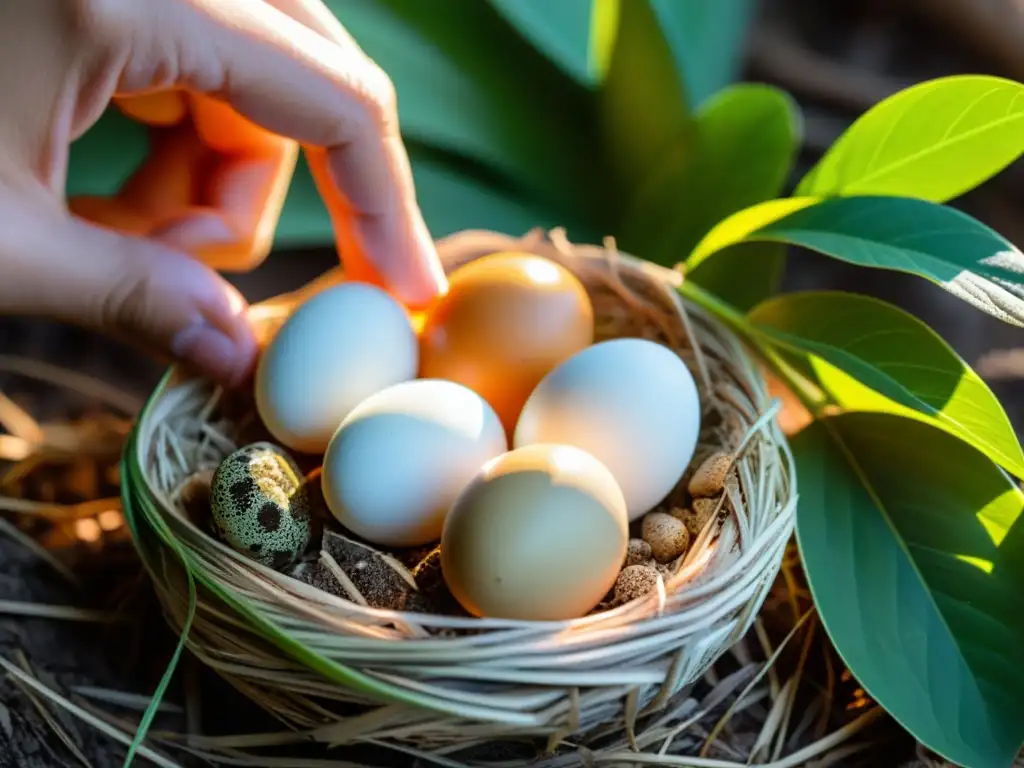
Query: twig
{"points": [[18, 422], [58, 512], [1001, 364], [57, 612]]}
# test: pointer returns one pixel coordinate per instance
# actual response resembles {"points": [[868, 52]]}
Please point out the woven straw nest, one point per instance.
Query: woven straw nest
{"points": [[449, 688]]}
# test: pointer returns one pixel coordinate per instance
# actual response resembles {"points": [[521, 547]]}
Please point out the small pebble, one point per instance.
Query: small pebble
{"points": [[638, 552], [709, 479], [635, 581], [696, 518], [699, 455], [667, 536]]}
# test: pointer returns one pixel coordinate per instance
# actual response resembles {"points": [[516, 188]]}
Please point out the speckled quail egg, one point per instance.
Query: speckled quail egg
{"points": [[260, 505]]}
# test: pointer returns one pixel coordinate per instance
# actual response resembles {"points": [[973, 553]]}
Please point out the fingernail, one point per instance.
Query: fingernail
{"points": [[213, 353]]}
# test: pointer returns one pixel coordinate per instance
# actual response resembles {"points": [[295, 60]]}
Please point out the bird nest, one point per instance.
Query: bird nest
{"points": [[343, 665]]}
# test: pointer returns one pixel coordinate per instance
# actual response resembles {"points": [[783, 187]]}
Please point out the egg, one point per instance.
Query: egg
{"points": [[506, 320], [402, 456], [335, 350], [632, 403], [260, 506], [539, 534]]}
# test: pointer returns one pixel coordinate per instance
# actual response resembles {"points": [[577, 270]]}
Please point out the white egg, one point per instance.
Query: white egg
{"points": [[630, 403], [335, 350], [403, 455]]}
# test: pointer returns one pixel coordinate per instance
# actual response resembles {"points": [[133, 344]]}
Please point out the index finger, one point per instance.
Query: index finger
{"points": [[283, 76]]}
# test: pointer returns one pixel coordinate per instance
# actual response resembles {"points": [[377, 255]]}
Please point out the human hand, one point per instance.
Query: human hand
{"points": [[231, 89]]}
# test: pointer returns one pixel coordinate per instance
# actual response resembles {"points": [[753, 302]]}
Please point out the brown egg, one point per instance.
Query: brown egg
{"points": [[506, 320]]}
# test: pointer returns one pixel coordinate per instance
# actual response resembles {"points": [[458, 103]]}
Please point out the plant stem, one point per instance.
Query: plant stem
{"points": [[810, 396]]}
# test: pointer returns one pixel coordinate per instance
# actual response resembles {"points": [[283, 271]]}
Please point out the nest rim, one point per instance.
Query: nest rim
{"points": [[146, 505]]}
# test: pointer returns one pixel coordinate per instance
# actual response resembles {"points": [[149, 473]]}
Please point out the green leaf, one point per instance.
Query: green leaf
{"points": [[641, 103], [559, 30], [744, 275], [935, 141], [466, 83], [706, 38], [908, 235], [868, 355], [474, 80], [744, 226], [913, 544], [746, 139]]}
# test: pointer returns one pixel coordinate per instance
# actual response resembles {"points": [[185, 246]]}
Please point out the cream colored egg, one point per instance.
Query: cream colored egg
{"points": [[539, 534], [403, 455], [632, 404], [335, 350]]}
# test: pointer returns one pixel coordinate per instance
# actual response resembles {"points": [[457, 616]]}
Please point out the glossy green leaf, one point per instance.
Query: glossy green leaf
{"points": [[746, 139], [468, 84], [935, 141], [908, 235], [473, 121], [560, 30], [744, 226], [913, 544], [706, 38], [868, 355], [641, 102]]}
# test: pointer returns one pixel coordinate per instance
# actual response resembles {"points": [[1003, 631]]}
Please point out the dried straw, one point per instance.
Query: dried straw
{"points": [[611, 688]]}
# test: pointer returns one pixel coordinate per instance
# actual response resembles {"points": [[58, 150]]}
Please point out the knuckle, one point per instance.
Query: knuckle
{"points": [[125, 305], [380, 98]]}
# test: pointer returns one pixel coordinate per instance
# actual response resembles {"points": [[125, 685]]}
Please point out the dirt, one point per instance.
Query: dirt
{"points": [[63, 654]]}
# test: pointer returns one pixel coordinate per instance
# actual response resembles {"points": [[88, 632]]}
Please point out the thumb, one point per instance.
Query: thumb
{"points": [[139, 290]]}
